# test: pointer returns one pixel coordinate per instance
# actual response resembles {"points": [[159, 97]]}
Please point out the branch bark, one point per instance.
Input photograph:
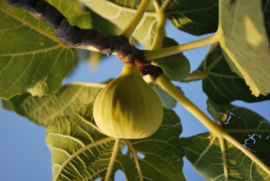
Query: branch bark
{"points": [[76, 36]]}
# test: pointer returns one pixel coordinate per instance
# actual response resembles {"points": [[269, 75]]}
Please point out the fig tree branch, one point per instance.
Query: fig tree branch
{"points": [[76, 36]]}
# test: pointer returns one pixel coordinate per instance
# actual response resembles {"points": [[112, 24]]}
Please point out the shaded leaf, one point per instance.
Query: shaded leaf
{"points": [[5, 105], [69, 99], [33, 58], [221, 84], [196, 17], [266, 13], [167, 100], [204, 150], [81, 152], [245, 43], [175, 67]]}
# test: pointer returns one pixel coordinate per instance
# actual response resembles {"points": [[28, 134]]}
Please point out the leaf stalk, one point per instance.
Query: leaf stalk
{"points": [[164, 52], [166, 84], [205, 72], [161, 17], [127, 32]]}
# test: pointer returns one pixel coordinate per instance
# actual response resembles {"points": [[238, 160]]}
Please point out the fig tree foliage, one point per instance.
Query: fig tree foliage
{"points": [[42, 41]]}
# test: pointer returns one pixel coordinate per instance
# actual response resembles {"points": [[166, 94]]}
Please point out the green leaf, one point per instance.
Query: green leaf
{"points": [[175, 67], [167, 100], [33, 59], [221, 84], [245, 43], [121, 13], [189, 16], [266, 13], [81, 152], [196, 17], [103, 24], [5, 105], [247, 127], [73, 12], [69, 99]]}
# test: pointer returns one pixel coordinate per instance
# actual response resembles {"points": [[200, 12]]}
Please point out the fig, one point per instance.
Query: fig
{"points": [[128, 107]]}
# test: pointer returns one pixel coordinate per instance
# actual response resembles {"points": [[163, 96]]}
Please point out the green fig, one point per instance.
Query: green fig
{"points": [[128, 107]]}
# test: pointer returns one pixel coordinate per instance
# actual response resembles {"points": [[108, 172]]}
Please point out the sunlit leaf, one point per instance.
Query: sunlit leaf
{"points": [[190, 16], [103, 24], [247, 127], [121, 13], [175, 67], [81, 152], [245, 43], [221, 84], [69, 99], [73, 12], [33, 59]]}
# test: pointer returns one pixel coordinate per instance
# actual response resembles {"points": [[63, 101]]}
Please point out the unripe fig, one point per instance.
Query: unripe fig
{"points": [[128, 107]]}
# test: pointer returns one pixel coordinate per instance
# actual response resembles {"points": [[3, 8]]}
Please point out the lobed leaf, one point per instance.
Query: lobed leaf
{"points": [[68, 100], [245, 43], [221, 84], [33, 59], [81, 152], [204, 151]]}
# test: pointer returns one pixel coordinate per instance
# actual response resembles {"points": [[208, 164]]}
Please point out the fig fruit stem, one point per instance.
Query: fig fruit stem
{"points": [[127, 32], [217, 130], [113, 158], [164, 52]]}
